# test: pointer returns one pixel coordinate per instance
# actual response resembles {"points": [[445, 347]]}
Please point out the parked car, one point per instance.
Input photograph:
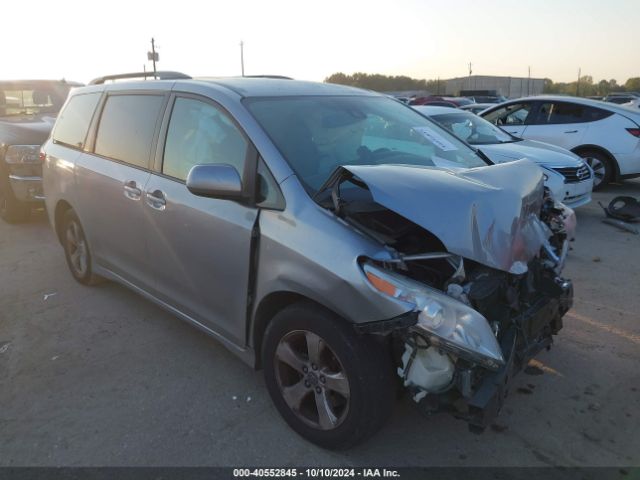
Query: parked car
{"points": [[27, 112], [459, 101], [476, 108], [606, 135], [622, 97], [634, 104], [568, 177], [432, 100], [332, 236]]}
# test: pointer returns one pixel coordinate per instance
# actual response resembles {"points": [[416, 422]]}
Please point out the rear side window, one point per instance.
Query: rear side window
{"points": [[73, 122], [127, 126], [560, 112], [200, 134]]}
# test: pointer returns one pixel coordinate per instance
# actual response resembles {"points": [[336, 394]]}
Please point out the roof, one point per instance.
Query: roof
{"points": [[275, 87], [580, 101]]}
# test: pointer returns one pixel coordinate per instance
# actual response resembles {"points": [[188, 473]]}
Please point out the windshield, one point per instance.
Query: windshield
{"points": [[318, 134], [473, 129], [17, 98]]}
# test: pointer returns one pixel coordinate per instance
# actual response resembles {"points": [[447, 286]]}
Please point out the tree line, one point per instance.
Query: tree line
{"points": [[385, 83]]}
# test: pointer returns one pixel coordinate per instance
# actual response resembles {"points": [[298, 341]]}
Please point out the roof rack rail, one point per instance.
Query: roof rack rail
{"points": [[279, 77], [162, 75]]}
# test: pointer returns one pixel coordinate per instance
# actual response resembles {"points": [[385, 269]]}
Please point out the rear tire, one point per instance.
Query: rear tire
{"points": [[332, 386], [601, 165], [76, 250], [12, 210]]}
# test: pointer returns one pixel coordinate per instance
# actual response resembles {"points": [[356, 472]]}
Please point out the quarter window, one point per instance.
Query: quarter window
{"points": [[73, 122], [201, 134], [127, 126]]}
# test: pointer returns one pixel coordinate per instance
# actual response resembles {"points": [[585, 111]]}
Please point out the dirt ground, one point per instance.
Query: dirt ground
{"points": [[100, 377]]}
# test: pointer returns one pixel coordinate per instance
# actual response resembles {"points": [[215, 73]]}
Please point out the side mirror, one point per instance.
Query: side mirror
{"points": [[215, 181]]}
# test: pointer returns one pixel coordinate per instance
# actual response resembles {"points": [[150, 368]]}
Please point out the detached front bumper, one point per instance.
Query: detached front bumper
{"points": [[27, 188]]}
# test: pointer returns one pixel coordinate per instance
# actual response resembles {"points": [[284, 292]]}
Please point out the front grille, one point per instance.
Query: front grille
{"points": [[574, 175]]}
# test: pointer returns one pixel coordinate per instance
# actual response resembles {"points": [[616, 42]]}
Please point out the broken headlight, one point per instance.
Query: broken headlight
{"points": [[445, 321]]}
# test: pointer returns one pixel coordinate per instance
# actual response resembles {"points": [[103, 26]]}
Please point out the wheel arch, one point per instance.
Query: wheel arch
{"points": [[269, 306], [597, 148], [62, 207]]}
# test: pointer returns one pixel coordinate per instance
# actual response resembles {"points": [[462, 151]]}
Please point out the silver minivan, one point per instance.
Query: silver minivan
{"points": [[334, 237]]}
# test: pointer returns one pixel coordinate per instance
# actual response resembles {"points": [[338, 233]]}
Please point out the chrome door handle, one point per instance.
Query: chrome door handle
{"points": [[131, 190], [571, 131], [156, 200]]}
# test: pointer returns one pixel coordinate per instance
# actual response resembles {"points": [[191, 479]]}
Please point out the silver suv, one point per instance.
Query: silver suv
{"points": [[332, 236]]}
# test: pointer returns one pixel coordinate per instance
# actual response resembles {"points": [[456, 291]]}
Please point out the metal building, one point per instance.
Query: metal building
{"points": [[510, 87]]}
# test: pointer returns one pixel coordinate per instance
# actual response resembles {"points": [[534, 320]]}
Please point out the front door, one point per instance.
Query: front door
{"points": [[512, 118], [200, 247]]}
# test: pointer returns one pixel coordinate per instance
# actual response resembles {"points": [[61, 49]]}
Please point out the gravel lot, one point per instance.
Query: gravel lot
{"points": [[100, 376]]}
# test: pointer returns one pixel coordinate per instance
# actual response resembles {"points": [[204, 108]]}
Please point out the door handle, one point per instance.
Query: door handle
{"points": [[131, 190], [571, 131], [156, 199]]}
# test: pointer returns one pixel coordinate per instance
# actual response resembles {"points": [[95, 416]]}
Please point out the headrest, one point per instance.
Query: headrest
{"points": [[40, 97]]}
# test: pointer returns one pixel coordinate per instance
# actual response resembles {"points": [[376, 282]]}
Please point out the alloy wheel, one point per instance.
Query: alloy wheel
{"points": [[76, 248], [312, 380], [599, 169]]}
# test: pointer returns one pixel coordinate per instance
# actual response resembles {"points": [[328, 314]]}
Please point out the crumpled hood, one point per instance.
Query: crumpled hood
{"points": [[26, 129], [541, 153], [487, 214]]}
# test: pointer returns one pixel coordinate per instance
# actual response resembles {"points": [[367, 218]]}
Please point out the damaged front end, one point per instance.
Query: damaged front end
{"points": [[476, 255]]}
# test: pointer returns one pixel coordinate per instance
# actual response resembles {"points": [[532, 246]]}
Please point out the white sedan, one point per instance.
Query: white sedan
{"points": [[606, 135], [566, 175]]}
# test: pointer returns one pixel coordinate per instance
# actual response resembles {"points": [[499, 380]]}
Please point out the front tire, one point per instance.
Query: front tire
{"points": [[76, 250], [332, 386], [12, 210]]}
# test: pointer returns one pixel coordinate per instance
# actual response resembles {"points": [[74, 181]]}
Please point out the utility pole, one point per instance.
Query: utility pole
{"points": [[153, 56], [153, 52], [529, 83], [242, 56], [470, 72], [578, 84]]}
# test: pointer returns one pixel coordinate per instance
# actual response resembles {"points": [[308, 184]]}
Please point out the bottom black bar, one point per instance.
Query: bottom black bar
{"points": [[405, 473]]}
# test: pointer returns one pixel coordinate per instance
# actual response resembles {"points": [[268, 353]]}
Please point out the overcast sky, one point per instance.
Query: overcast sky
{"points": [[80, 40]]}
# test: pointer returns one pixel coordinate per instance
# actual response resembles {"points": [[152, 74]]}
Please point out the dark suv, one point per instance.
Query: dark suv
{"points": [[28, 110]]}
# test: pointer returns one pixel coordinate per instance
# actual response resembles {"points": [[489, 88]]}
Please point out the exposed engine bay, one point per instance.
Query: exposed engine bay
{"points": [[483, 305]]}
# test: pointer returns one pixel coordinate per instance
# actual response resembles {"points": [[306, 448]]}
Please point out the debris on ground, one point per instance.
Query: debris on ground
{"points": [[621, 225], [620, 211], [626, 209], [47, 295]]}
